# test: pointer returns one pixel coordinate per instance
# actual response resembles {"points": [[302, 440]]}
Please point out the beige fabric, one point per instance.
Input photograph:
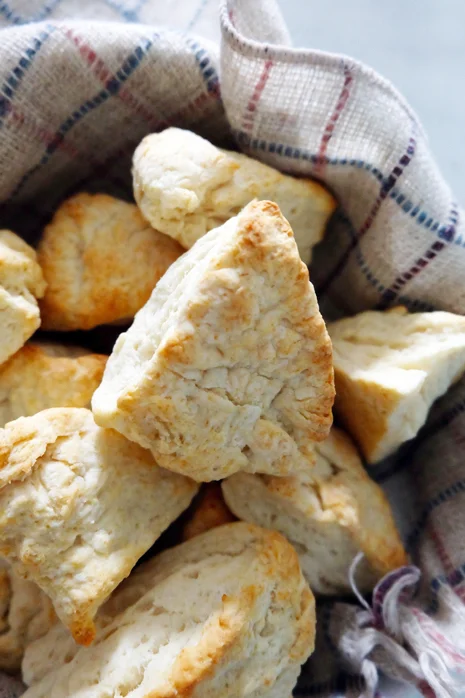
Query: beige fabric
{"points": [[43, 375], [79, 505], [228, 366], [229, 615], [329, 515], [185, 187]]}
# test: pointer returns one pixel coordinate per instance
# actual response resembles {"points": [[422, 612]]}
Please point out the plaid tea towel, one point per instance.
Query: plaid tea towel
{"points": [[82, 81]]}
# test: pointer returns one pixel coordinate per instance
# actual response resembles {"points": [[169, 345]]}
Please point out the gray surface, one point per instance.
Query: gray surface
{"points": [[418, 44]]}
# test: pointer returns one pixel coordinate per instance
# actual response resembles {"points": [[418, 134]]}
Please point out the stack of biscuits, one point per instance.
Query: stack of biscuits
{"points": [[214, 410]]}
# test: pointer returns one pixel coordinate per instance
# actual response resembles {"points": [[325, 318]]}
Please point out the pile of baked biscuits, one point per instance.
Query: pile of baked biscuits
{"points": [[215, 404]]}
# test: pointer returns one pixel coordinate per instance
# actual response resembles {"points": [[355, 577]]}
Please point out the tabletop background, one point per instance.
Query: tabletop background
{"points": [[418, 44]]}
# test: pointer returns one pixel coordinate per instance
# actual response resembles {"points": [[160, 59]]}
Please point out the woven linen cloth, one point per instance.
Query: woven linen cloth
{"points": [[82, 81]]}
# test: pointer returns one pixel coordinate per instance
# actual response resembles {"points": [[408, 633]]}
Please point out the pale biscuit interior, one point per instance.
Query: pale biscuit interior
{"points": [[389, 369]]}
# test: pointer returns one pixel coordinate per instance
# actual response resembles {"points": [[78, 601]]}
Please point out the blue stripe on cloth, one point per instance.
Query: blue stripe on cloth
{"points": [[445, 496], [112, 87], [412, 305], [207, 68], [13, 81], [422, 217], [14, 18]]}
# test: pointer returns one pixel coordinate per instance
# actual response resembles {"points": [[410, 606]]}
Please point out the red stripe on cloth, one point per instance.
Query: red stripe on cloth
{"points": [[331, 124], [101, 169], [425, 690], [448, 235], [432, 630], [249, 116], [440, 550], [420, 264], [32, 129], [386, 187], [102, 72]]}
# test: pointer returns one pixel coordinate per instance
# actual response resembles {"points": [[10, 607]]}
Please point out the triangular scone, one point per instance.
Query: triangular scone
{"points": [[79, 505], [43, 375], [185, 186], [57, 647], [389, 369], [26, 614], [101, 261], [21, 284], [329, 516], [228, 366], [229, 614], [209, 511]]}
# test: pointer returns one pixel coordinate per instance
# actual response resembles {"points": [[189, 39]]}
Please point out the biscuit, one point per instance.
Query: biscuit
{"points": [[101, 261], [21, 284], [209, 511], [185, 186], [26, 614], [57, 647], [329, 516], [389, 369], [79, 505], [228, 366], [228, 615], [43, 375]]}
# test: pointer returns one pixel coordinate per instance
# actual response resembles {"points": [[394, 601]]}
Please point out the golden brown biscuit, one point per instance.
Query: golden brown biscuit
{"points": [[228, 366], [390, 367], [101, 261], [79, 505], [43, 375], [185, 186], [209, 511], [21, 284], [228, 615], [329, 515], [26, 614]]}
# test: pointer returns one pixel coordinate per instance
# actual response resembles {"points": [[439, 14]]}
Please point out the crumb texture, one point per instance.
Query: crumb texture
{"points": [[228, 366], [228, 615], [389, 368], [79, 505]]}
